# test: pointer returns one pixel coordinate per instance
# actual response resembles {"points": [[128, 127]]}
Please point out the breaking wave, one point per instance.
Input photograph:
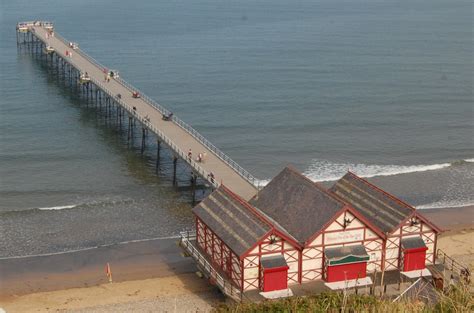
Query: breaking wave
{"points": [[321, 170], [102, 202], [58, 207], [445, 204]]}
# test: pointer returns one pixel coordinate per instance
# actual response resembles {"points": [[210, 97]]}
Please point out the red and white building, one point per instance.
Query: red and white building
{"points": [[296, 231]]}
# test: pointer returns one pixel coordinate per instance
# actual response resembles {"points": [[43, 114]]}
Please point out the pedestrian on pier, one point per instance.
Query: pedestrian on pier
{"points": [[190, 154], [211, 177], [199, 158]]}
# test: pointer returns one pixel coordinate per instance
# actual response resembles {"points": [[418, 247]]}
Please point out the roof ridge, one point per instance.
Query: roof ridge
{"points": [[257, 212], [381, 190], [247, 205], [316, 184]]}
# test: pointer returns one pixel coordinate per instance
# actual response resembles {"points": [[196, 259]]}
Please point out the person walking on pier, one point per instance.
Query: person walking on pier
{"points": [[211, 177], [190, 154]]}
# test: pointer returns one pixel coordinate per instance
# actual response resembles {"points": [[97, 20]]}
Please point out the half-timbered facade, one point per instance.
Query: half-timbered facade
{"points": [[235, 236], [319, 221], [295, 231], [395, 218]]}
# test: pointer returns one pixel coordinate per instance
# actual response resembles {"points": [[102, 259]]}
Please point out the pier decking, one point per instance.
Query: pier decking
{"points": [[176, 134]]}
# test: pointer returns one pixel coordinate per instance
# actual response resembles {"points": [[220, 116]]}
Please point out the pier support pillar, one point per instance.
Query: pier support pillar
{"points": [[129, 133], [158, 150], [143, 139], [175, 163], [193, 187]]}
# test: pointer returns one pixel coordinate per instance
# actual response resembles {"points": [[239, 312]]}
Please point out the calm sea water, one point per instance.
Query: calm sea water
{"points": [[383, 88]]}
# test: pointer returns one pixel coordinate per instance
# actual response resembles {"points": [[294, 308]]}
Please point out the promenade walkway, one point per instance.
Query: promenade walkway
{"points": [[179, 136]]}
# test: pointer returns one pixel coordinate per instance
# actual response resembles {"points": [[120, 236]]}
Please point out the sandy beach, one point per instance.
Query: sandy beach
{"points": [[152, 275]]}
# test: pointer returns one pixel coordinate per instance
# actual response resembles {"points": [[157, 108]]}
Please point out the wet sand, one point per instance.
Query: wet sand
{"points": [[131, 261], [154, 269], [451, 219]]}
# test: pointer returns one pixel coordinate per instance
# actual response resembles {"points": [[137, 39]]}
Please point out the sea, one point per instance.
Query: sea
{"points": [[380, 88]]}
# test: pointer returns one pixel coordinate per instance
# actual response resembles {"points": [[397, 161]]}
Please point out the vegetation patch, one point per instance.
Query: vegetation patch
{"points": [[456, 299]]}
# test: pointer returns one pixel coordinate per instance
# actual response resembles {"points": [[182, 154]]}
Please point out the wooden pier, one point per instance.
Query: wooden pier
{"points": [[217, 168]]}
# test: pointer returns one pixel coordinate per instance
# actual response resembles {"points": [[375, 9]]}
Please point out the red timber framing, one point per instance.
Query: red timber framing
{"points": [[219, 253], [273, 243], [226, 260], [412, 227], [233, 265], [306, 260], [391, 257], [347, 227]]}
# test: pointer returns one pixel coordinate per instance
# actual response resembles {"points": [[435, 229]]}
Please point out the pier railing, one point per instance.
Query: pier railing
{"points": [[161, 135], [454, 266], [197, 168], [224, 284], [190, 130]]}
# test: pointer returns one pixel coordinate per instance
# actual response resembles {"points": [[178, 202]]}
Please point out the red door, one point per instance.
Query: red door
{"points": [[414, 259], [275, 278], [346, 272]]}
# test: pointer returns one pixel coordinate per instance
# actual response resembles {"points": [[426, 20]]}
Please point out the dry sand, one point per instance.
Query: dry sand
{"points": [[34, 285], [459, 245], [180, 293]]}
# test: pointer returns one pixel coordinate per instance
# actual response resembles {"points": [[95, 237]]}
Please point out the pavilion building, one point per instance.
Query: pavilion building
{"points": [[295, 231]]}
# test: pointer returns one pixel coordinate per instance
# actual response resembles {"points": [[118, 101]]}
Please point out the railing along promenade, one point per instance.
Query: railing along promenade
{"points": [[189, 129], [188, 242], [246, 189]]}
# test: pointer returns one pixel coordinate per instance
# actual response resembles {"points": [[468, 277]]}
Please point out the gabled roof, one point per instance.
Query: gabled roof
{"points": [[235, 223], [299, 205], [380, 208]]}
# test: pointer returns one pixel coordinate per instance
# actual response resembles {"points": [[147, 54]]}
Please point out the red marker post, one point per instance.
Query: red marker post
{"points": [[108, 272]]}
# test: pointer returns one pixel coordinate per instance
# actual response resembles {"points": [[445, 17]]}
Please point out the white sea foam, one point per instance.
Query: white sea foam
{"points": [[444, 204], [58, 207], [262, 182], [321, 170]]}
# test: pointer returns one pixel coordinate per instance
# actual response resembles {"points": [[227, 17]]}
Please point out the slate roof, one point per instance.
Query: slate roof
{"points": [[231, 220], [273, 261], [412, 243], [300, 206], [343, 252], [381, 209]]}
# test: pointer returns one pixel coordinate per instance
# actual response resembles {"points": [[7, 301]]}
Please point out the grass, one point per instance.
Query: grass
{"points": [[457, 299]]}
